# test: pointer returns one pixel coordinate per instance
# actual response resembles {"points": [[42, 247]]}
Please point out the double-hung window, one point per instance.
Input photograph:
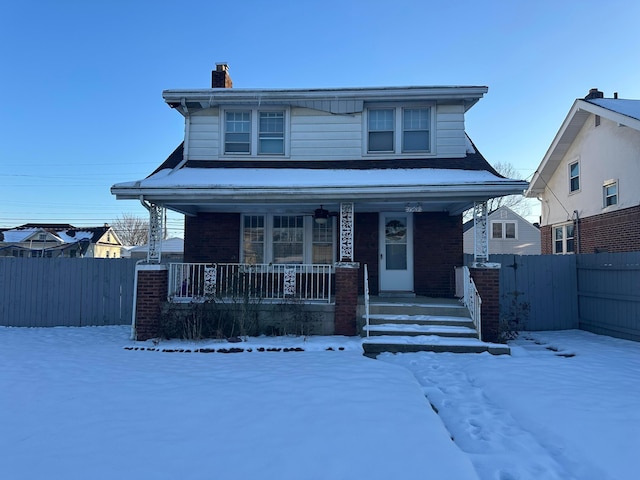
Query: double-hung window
{"points": [[399, 130], [563, 238], [574, 177], [292, 239], [237, 134], [254, 132], [271, 133], [381, 130], [415, 130], [503, 230], [610, 193]]}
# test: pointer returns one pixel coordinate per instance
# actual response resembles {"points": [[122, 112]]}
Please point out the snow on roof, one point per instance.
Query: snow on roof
{"points": [[19, 235], [630, 108], [170, 245], [286, 178]]}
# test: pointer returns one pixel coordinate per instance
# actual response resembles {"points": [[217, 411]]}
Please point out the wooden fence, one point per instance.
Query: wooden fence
{"points": [[596, 292], [47, 292]]}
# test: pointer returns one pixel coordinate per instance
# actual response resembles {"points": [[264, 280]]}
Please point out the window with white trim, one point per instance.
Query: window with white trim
{"points": [[399, 130], [574, 177], [254, 132], [287, 239], [610, 193], [237, 133], [563, 239], [501, 230]]}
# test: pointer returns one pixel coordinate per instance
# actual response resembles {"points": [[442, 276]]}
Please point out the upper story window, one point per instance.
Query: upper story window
{"points": [[415, 130], [503, 230], [574, 177], [399, 130], [271, 133], [610, 193], [237, 133], [249, 132]]}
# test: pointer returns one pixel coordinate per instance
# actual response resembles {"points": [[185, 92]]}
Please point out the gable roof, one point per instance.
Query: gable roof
{"points": [[469, 224], [622, 111], [63, 232]]}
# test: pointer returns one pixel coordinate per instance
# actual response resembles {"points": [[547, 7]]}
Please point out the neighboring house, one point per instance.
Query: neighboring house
{"points": [[59, 240], [508, 233], [172, 250], [324, 180], [588, 179]]}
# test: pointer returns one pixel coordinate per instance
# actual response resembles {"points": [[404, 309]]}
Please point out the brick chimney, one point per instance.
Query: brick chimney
{"points": [[220, 76], [594, 93]]}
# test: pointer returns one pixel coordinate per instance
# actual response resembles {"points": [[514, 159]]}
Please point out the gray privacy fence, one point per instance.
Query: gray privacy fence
{"points": [[47, 292], [596, 292]]}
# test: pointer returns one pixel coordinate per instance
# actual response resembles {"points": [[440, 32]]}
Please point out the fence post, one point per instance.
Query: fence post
{"points": [[151, 292]]}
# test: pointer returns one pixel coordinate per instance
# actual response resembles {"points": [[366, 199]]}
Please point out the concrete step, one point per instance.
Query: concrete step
{"points": [[412, 329], [377, 319], [373, 346], [433, 309]]}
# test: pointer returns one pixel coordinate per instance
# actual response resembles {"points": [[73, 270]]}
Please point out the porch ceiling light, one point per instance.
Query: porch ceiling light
{"points": [[320, 215]]}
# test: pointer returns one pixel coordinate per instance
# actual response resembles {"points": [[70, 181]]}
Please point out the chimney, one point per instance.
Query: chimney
{"points": [[615, 95], [594, 93], [220, 76]]}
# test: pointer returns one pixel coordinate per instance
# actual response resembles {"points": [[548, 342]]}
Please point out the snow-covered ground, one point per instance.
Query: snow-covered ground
{"points": [[80, 403]]}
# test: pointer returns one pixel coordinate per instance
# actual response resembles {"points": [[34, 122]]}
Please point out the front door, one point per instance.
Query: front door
{"points": [[396, 252]]}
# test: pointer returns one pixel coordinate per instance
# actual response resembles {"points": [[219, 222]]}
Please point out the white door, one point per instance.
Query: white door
{"points": [[396, 252]]}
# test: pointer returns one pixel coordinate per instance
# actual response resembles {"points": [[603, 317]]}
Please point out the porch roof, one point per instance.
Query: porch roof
{"points": [[190, 190]]}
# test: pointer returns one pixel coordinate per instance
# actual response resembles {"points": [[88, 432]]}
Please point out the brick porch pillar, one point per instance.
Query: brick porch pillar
{"points": [[346, 298], [486, 276], [151, 292]]}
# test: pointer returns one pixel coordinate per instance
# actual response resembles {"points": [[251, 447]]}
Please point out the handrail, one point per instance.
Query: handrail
{"points": [[366, 298], [472, 301]]}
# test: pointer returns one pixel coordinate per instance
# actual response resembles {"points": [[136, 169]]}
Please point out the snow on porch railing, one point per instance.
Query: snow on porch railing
{"points": [[199, 281], [472, 300], [366, 298]]}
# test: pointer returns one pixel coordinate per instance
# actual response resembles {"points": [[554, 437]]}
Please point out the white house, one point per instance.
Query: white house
{"points": [[301, 188], [588, 179], [508, 233]]}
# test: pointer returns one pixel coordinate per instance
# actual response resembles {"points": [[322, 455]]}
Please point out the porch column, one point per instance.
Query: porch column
{"points": [[346, 276], [156, 217], [151, 287], [487, 280], [481, 238]]}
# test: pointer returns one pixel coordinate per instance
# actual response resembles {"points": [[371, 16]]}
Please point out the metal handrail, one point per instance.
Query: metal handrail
{"points": [[366, 298], [472, 301]]}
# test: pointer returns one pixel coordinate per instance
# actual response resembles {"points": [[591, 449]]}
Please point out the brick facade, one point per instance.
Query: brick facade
{"points": [[346, 298], [437, 249], [617, 231], [151, 293], [366, 249], [487, 282], [212, 237]]}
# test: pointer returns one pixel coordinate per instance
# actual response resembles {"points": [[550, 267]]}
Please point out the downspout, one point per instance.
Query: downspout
{"points": [[576, 220], [135, 300]]}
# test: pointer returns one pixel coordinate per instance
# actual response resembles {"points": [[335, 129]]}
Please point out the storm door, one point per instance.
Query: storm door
{"points": [[396, 252]]}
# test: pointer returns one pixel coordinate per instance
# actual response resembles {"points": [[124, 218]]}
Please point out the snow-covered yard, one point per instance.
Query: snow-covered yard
{"points": [[75, 404]]}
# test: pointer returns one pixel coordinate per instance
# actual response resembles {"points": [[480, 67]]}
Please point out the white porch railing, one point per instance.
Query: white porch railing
{"points": [[366, 298], [199, 281], [472, 300]]}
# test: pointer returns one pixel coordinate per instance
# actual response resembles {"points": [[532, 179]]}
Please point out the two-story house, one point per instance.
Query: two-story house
{"points": [[322, 182], [587, 180]]}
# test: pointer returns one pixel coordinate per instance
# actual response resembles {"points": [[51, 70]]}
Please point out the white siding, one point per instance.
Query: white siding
{"points": [[204, 136], [527, 241], [605, 152], [317, 135], [450, 138]]}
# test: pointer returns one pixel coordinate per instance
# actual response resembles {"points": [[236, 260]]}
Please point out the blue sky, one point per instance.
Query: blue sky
{"points": [[82, 81]]}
